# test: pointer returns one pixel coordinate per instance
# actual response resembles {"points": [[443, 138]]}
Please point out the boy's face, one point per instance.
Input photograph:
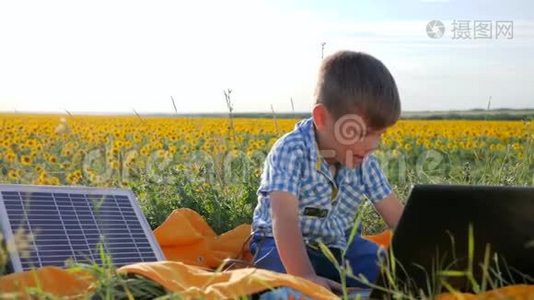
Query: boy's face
{"points": [[347, 140]]}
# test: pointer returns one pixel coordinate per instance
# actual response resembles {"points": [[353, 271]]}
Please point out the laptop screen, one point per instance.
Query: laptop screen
{"points": [[448, 230]]}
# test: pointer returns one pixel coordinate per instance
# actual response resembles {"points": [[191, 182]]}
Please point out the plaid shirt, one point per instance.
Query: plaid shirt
{"points": [[327, 205]]}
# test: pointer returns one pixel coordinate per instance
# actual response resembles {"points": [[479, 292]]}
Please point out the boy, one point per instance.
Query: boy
{"points": [[315, 177]]}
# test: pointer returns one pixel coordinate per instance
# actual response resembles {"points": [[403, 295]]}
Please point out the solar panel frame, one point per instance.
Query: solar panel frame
{"points": [[6, 224]]}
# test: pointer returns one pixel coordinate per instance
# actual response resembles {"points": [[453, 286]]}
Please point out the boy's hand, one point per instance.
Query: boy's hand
{"points": [[390, 209], [331, 285]]}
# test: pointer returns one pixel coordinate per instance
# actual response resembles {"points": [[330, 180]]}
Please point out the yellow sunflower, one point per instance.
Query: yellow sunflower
{"points": [[25, 160], [14, 174]]}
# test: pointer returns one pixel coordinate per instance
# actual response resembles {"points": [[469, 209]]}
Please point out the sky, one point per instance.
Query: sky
{"points": [[119, 56]]}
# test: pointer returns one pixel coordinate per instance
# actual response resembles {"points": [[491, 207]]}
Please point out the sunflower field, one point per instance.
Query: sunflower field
{"points": [[213, 165]]}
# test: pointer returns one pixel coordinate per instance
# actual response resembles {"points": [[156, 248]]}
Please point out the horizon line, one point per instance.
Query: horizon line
{"points": [[133, 112]]}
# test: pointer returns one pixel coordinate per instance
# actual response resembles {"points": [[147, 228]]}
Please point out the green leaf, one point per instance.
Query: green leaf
{"points": [[326, 251]]}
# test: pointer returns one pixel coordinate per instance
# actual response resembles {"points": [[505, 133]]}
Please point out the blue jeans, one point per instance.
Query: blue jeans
{"points": [[362, 255]]}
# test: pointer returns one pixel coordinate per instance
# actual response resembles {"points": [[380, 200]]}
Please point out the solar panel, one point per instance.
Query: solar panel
{"points": [[74, 223]]}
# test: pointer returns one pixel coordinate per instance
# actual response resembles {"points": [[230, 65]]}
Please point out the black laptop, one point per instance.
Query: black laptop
{"points": [[486, 231]]}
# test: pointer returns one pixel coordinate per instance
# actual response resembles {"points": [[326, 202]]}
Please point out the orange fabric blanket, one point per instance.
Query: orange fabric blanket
{"points": [[196, 283], [186, 237], [190, 282]]}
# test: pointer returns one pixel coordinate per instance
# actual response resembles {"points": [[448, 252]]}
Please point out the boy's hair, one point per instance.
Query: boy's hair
{"points": [[353, 82]]}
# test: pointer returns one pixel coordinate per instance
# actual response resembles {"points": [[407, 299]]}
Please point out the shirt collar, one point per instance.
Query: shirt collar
{"points": [[306, 127]]}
